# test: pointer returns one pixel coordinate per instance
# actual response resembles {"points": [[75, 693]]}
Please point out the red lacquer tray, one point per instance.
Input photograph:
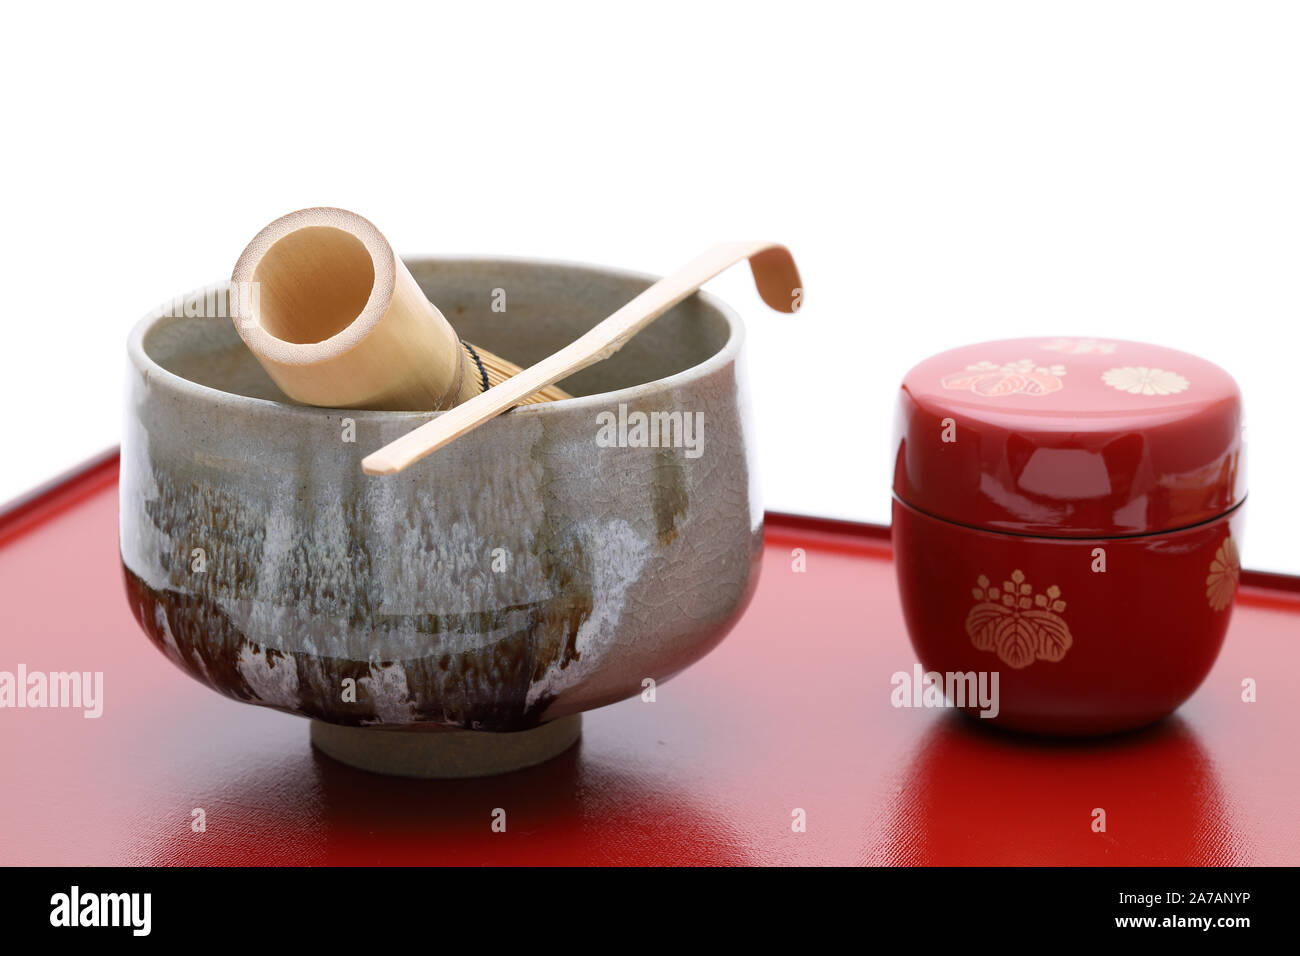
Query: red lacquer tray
{"points": [[792, 712]]}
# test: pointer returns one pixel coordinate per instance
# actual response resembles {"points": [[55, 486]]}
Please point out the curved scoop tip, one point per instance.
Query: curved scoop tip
{"points": [[777, 278]]}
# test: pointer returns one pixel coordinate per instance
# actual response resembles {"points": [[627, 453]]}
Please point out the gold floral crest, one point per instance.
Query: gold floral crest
{"points": [[1016, 624], [1225, 570], [1020, 377]]}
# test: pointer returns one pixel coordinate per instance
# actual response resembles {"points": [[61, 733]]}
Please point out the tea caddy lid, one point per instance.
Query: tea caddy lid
{"points": [[1069, 437]]}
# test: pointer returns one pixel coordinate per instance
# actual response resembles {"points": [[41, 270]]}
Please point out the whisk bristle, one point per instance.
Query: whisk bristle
{"points": [[496, 370]]}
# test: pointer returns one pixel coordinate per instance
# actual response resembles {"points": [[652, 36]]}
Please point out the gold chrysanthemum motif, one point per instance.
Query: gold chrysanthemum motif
{"points": [[1016, 624], [1080, 346], [1140, 380], [1022, 376], [1225, 571]]}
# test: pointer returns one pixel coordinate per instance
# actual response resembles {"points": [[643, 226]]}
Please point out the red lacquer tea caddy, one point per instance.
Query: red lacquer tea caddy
{"points": [[1067, 514]]}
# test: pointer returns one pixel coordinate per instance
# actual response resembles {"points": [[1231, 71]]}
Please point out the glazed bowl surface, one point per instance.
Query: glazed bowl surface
{"points": [[547, 563]]}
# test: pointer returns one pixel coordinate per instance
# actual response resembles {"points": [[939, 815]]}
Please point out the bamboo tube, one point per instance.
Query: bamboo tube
{"points": [[336, 319]]}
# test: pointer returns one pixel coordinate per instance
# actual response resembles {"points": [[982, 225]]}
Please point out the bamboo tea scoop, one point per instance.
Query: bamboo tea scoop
{"points": [[336, 319], [775, 275]]}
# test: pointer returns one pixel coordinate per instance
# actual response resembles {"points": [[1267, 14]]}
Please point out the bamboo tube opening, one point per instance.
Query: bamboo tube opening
{"points": [[312, 287], [337, 320], [312, 284]]}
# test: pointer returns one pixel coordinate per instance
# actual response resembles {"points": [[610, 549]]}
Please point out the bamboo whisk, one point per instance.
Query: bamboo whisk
{"points": [[336, 319]]}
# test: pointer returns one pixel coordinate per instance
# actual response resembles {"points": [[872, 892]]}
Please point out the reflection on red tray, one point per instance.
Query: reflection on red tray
{"points": [[791, 712]]}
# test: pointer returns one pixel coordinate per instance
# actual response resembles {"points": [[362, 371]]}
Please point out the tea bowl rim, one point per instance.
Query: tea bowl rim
{"points": [[156, 374]]}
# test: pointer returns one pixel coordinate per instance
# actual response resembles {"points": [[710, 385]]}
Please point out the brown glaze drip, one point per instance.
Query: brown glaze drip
{"points": [[483, 689], [668, 494]]}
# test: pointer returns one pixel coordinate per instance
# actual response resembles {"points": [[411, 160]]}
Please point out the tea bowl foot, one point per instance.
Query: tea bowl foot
{"points": [[444, 754]]}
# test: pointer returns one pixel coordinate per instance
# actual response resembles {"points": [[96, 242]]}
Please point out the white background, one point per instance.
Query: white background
{"points": [[944, 173]]}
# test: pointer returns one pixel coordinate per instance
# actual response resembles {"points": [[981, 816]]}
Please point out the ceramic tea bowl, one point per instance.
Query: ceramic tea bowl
{"points": [[549, 562]]}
